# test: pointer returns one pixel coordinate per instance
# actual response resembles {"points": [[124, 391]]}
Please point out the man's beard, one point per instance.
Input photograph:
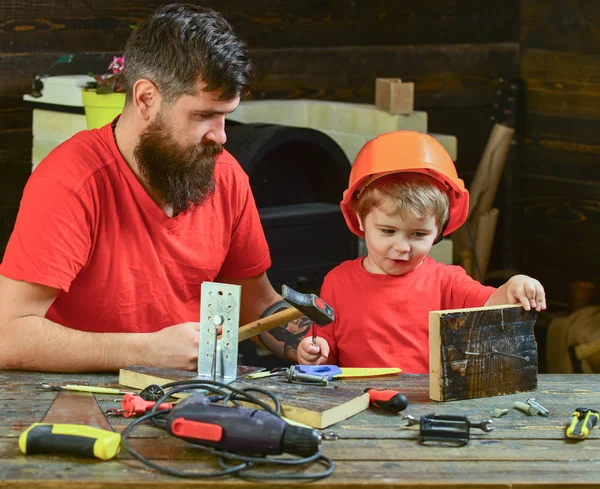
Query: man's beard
{"points": [[183, 177]]}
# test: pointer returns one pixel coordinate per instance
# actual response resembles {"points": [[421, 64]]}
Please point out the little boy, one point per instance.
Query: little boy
{"points": [[404, 195]]}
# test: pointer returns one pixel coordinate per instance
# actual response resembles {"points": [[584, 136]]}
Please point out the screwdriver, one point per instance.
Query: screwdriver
{"points": [[387, 399], [70, 439], [582, 422], [83, 388]]}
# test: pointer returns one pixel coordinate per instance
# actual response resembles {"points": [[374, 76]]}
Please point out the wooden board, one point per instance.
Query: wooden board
{"points": [[314, 406], [469, 352]]}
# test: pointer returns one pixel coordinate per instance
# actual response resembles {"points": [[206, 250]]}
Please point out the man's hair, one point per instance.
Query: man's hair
{"points": [[420, 194], [180, 44]]}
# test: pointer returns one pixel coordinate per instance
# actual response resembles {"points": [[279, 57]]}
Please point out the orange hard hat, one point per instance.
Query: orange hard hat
{"points": [[406, 151]]}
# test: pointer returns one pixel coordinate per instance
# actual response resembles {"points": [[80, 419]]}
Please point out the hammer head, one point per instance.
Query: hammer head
{"points": [[310, 305]]}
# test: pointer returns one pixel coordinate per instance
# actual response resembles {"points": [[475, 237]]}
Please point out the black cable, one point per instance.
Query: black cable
{"points": [[168, 470], [242, 470]]}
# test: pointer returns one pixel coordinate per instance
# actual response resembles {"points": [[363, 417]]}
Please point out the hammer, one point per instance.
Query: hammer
{"points": [[308, 305]]}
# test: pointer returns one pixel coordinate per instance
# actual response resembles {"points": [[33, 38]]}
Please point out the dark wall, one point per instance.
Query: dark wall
{"points": [[558, 173], [461, 55]]}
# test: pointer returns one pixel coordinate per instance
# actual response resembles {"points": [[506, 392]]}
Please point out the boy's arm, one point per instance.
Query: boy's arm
{"points": [[520, 289]]}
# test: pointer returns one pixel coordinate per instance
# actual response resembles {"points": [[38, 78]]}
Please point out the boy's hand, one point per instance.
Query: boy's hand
{"points": [[309, 354], [527, 291]]}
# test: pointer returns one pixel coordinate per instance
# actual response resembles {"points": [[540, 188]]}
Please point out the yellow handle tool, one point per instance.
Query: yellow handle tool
{"points": [[583, 421], [70, 439]]}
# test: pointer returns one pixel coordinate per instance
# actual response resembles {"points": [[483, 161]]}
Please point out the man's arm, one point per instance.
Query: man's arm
{"points": [[257, 296], [29, 341]]}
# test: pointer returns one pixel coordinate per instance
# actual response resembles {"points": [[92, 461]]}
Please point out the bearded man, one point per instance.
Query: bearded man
{"points": [[118, 227]]}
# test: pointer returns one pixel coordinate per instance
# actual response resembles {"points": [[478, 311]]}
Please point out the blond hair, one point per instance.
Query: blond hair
{"points": [[417, 193]]}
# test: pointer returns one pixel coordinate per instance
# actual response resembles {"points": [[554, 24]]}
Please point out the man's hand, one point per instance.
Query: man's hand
{"points": [[175, 347], [313, 354]]}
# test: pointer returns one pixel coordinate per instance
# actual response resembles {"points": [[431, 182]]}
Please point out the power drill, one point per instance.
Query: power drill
{"points": [[239, 429]]}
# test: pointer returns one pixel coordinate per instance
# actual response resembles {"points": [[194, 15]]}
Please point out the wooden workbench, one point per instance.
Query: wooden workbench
{"points": [[373, 450]]}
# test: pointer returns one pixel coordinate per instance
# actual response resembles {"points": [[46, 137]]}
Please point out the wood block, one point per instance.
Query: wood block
{"points": [[481, 352], [394, 96], [315, 406]]}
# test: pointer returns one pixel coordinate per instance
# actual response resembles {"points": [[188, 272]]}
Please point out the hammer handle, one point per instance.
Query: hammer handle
{"points": [[265, 324]]}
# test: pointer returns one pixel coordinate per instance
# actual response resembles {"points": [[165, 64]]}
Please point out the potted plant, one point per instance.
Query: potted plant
{"points": [[104, 98]]}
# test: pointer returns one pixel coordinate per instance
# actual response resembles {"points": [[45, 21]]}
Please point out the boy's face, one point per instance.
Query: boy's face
{"points": [[397, 243]]}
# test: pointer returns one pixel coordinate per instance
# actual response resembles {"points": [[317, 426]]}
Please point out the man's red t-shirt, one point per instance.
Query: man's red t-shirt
{"points": [[383, 320], [86, 226]]}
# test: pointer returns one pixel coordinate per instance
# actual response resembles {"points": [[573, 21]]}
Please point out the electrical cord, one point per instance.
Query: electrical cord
{"points": [[225, 393]]}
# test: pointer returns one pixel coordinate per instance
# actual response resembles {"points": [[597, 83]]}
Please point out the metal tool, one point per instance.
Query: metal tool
{"points": [[292, 374], [526, 408], [83, 388], [498, 413], [541, 409], [76, 408], [333, 371], [582, 422], [449, 429], [239, 429], [309, 305], [219, 307]]}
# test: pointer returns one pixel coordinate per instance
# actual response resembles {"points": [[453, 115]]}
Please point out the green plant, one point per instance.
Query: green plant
{"points": [[111, 82]]}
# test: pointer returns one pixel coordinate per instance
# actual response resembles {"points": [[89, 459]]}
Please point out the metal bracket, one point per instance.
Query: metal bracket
{"points": [[219, 306]]}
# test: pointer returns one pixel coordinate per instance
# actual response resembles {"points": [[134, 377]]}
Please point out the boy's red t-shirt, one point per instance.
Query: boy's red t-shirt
{"points": [[383, 320], [86, 226]]}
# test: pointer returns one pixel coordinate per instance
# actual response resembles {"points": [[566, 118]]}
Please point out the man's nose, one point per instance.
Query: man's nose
{"points": [[216, 132]]}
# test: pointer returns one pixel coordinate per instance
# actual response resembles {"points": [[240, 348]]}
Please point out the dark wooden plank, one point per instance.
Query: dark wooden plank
{"points": [[166, 448], [12, 181], [558, 227], [462, 75], [558, 199], [562, 132], [561, 25], [560, 159], [16, 76], [98, 26], [450, 474], [18, 69], [561, 83], [481, 352], [471, 126]]}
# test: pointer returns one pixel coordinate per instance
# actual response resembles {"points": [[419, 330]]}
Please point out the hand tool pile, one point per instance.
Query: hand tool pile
{"points": [[242, 438]]}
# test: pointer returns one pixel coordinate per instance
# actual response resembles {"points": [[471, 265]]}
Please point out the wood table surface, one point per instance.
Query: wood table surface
{"points": [[374, 449]]}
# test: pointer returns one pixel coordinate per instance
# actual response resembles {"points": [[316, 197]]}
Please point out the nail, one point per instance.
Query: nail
{"points": [[496, 352], [542, 410]]}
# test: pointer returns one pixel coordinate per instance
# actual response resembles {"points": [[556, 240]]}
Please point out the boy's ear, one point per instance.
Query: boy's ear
{"points": [[360, 223]]}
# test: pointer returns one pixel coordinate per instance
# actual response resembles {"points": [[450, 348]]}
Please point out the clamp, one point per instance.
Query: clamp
{"points": [[454, 430]]}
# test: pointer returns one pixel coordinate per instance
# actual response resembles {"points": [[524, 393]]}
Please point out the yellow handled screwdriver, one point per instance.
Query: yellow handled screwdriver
{"points": [[84, 388], [70, 439], [582, 422]]}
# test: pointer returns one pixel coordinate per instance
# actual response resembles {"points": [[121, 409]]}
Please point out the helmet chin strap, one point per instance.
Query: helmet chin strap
{"points": [[441, 235]]}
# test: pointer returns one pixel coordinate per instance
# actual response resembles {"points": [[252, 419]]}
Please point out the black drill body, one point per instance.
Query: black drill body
{"points": [[239, 429]]}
